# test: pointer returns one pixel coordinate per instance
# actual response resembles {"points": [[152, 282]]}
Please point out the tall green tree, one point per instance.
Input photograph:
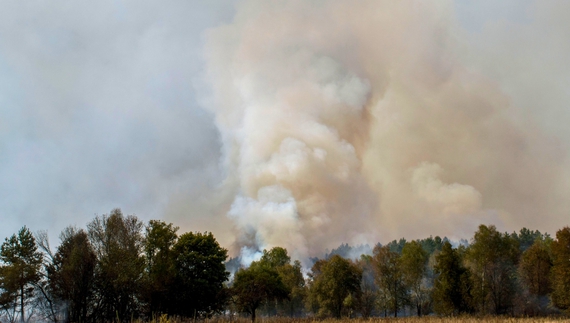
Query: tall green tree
{"points": [[200, 275], [118, 244], [292, 278], [71, 274], [561, 269], [19, 271], [534, 268], [160, 266], [493, 258], [335, 284], [413, 262], [452, 286], [368, 296], [294, 282], [256, 285], [390, 278]]}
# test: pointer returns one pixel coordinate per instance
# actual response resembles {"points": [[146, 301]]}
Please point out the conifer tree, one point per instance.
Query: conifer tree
{"points": [[21, 263]]}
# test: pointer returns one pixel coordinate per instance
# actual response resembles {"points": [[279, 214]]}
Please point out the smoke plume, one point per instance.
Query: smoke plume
{"points": [[362, 121]]}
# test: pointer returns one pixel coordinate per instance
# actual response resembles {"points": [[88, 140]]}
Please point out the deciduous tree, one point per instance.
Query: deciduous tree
{"points": [[332, 282], [492, 258], [118, 244], [255, 285], [160, 267], [200, 275], [561, 269], [71, 274], [534, 268], [413, 263], [292, 278], [390, 278], [368, 296], [451, 293]]}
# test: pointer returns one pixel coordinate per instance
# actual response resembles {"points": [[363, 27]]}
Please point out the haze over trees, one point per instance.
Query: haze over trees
{"points": [[119, 268]]}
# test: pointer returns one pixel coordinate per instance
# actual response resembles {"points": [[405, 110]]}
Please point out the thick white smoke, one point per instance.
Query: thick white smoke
{"points": [[355, 121]]}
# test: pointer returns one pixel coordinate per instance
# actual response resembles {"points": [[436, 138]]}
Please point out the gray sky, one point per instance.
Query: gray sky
{"points": [[99, 109], [103, 104]]}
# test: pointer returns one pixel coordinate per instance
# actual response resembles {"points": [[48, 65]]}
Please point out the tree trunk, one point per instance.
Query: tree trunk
{"points": [[253, 316], [419, 309], [22, 302], [395, 303]]}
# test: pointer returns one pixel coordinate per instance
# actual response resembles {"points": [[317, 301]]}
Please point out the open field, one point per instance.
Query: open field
{"points": [[425, 319]]}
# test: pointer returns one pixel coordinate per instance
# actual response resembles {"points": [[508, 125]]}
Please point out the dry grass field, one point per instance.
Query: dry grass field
{"points": [[425, 319]]}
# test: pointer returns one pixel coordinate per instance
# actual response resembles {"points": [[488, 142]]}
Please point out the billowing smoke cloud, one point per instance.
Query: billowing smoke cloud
{"points": [[346, 121], [334, 120]]}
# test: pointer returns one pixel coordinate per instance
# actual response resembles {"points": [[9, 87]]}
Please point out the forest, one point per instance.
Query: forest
{"points": [[121, 269]]}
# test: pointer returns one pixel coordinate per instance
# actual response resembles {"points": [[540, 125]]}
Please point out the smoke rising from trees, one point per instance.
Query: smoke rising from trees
{"points": [[304, 124], [342, 121]]}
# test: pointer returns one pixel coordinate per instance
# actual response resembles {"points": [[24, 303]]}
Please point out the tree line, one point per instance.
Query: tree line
{"points": [[120, 268]]}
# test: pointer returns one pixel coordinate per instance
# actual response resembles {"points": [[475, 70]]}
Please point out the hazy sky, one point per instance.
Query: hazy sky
{"points": [[129, 104]]}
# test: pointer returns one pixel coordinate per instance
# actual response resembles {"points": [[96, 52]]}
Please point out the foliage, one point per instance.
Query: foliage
{"points": [[332, 282], [390, 279], [160, 268], [492, 258], [275, 258], [113, 272], [396, 245], [526, 238], [413, 265], [255, 285], [368, 296], [294, 282], [200, 275], [431, 244], [118, 244], [19, 272], [451, 293], [290, 273], [561, 269], [535, 268], [71, 274]]}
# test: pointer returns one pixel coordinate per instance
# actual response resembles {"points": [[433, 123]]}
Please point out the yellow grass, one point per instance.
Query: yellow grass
{"points": [[425, 319]]}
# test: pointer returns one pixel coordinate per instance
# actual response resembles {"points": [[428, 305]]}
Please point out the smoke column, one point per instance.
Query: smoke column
{"points": [[356, 121]]}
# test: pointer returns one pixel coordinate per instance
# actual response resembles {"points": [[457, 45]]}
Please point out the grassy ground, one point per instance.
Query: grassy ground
{"points": [[425, 319]]}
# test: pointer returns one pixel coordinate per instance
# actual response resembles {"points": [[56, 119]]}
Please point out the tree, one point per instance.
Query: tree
{"points": [[200, 275], [292, 278], [431, 244], [368, 296], [396, 245], [255, 285], [561, 269], [451, 293], [413, 262], [390, 278], [294, 282], [71, 274], [333, 281], [526, 238], [118, 244], [275, 258], [21, 263], [535, 268], [160, 266], [492, 258]]}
